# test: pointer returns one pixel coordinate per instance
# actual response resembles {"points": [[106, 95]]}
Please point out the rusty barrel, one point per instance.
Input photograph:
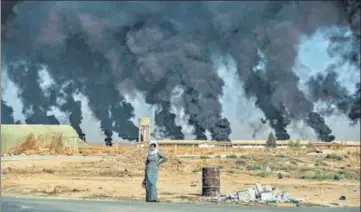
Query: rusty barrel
{"points": [[210, 181]]}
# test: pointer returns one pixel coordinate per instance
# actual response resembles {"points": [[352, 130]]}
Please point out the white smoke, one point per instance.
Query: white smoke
{"points": [[244, 117], [9, 92], [181, 118], [45, 81]]}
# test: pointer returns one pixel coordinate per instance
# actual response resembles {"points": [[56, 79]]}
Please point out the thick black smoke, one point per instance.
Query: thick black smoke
{"points": [[36, 103], [111, 49], [277, 115], [326, 88], [276, 34], [355, 112], [318, 123], [73, 107]]}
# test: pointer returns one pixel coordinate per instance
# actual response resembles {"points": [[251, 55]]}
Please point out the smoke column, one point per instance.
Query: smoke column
{"points": [[107, 50]]}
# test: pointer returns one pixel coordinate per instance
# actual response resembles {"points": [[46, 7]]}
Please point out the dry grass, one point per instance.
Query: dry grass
{"points": [[37, 145], [314, 177], [31, 143], [169, 149]]}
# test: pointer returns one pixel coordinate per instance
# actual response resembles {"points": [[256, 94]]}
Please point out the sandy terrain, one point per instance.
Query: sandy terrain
{"points": [[317, 178]]}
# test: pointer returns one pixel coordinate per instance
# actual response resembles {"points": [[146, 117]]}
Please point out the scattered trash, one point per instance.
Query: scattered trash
{"points": [[268, 170], [259, 193], [342, 198]]}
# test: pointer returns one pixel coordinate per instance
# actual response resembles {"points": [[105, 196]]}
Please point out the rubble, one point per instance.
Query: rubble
{"points": [[259, 193]]}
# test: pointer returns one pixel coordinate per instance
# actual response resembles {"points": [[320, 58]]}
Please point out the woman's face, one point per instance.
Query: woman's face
{"points": [[152, 147]]}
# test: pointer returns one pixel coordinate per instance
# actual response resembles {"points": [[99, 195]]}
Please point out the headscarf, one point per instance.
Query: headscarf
{"points": [[150, 152]]}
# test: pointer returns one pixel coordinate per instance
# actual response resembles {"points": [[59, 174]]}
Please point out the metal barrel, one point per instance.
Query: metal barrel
{"points": [[210, 182]]}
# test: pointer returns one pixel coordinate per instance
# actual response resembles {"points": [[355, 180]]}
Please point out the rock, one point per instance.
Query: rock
{"points": [[48, 171], [318, 151], [49, 189], [342, 198]]}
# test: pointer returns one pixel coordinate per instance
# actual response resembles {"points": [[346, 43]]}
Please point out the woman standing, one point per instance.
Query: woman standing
{"points": [[153, 159]]}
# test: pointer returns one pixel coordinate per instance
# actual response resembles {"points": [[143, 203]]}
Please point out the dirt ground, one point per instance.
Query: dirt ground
{"points": [[317, 178]]}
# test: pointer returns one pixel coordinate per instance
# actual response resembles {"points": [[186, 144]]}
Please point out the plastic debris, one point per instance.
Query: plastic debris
{"points": [[259, 193], [268, 170]]}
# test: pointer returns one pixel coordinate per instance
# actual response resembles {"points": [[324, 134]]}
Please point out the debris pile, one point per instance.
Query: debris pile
{"points": [[259, 193]]}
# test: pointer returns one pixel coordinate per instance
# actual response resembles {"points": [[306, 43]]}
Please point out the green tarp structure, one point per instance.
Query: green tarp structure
{"points": [[11, 134]]}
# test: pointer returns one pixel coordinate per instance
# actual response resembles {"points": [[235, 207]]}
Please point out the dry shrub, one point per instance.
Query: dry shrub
{"points": [[338, 146], [354, 156], [56, 144], [31, 143]]}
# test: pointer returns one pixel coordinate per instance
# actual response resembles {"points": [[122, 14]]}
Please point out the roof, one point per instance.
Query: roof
{"points": [[66, 130]]}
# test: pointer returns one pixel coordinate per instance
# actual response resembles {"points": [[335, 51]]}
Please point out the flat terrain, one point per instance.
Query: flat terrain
{"points": [[318, 179]]}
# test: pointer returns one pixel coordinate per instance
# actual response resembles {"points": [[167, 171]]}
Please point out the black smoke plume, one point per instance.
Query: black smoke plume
{"points": [[35, 103], [326, 88], [73, 107], [355, 111], [111, 49]]}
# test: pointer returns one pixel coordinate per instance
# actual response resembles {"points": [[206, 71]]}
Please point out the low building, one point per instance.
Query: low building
{"points": [[12, 134]]}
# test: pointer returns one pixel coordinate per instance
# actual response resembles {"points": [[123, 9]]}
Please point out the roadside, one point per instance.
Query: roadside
{"points": [[37, 205], [317, 179]]}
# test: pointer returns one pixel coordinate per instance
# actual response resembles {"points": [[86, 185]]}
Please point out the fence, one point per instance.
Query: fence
{"points": [[199, 148]]}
